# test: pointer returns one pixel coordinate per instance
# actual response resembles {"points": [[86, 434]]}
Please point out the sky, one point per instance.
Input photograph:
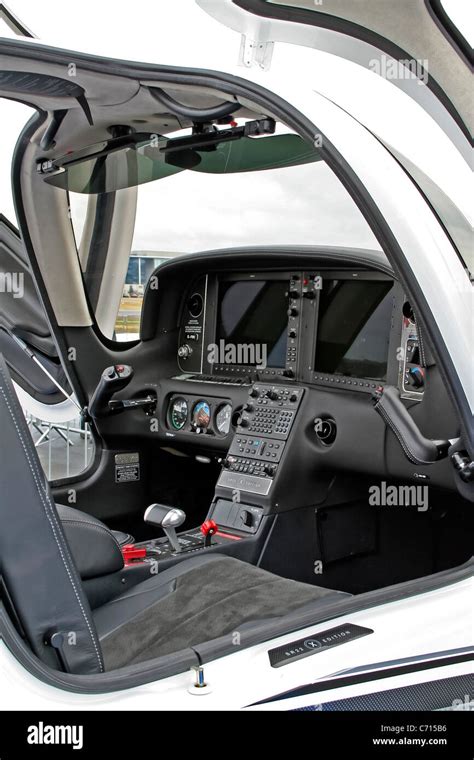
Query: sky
{"points": [[203, 212]]}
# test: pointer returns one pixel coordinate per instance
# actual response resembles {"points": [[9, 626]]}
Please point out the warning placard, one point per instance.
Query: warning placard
{"points": [[127, 468]]}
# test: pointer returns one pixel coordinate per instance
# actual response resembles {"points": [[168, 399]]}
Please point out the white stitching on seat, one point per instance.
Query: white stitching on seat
{"points": [[93, 526], [51, 518]]}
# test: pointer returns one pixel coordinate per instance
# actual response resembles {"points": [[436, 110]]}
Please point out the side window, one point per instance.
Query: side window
{"points": [[65, 447]]}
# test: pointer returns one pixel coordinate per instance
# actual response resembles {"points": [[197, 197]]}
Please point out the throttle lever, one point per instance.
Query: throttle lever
{"points": [[148, 404]]}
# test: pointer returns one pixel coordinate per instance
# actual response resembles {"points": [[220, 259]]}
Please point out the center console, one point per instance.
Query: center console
{"points": [[249, 470], [258, 446]]}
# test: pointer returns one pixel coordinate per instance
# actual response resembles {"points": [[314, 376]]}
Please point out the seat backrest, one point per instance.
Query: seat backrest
{"points": [[36, 566]]}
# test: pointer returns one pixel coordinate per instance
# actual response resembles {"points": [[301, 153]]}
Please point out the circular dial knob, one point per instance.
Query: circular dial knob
{"points": [[254, 393], [195, 305], [294, 293], [270, 469], [292, 311], [184, 351], [244, 422], [272, 395]]}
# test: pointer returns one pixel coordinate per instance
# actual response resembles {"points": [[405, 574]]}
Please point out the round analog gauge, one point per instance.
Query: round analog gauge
{"points": [[223, 419], [201, 416], [195, 305], [179, 413]]}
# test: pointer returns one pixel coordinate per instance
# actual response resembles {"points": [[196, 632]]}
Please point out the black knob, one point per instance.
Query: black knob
{"points": [[269, 469], [309, 294], [244, 422], [184, 351], [248, 407], [294, 397], [292, 311], [288, 373], [254, 393], [416, 377], [246, 517], [272, 395], [294, 293], [292, 334]]}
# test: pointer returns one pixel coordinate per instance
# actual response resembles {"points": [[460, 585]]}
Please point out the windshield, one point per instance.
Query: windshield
{"points": [[278, 193]]}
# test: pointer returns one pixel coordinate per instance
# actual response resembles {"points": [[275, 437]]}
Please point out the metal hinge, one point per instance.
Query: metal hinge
{"points": [[255, 53]]}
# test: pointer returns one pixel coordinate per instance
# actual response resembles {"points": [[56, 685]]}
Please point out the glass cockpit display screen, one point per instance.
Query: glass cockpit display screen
{"points": [[354, 328], [252, 322]]}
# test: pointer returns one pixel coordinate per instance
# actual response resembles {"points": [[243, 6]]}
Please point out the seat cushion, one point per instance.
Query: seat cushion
{"points": [[194, 601]]}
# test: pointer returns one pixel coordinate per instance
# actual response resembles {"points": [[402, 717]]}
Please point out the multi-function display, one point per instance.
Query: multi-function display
{"points": [[252, 322], [354, 328]]}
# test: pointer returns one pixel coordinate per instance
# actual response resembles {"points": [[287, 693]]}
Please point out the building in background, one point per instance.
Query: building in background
{"points": [[141, 266]]}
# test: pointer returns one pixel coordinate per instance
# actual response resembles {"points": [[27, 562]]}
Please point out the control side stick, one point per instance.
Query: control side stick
{"points": [[415, 446], [113, 379]]}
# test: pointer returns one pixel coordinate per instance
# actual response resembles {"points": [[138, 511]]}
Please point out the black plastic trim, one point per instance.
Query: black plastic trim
{"points": [[99, 247], [378, 675], [196, 114]]}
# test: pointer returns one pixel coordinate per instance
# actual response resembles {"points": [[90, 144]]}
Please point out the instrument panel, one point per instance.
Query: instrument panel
{"points": [[332, 326], [201, 416]]}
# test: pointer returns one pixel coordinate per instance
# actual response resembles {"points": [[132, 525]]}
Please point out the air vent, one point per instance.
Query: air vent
{"points": [[326, 430]]}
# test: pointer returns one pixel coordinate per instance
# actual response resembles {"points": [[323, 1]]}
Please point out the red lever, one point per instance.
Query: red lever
{"points": [[209, 527], [130, 551]]}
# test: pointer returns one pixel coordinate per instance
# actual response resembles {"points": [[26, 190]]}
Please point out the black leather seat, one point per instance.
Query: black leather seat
{"points": [[192, 602], [197, 600], [180, 607]]}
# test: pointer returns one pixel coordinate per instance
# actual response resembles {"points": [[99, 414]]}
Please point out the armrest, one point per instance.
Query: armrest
{"points": [[94, 548]]}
